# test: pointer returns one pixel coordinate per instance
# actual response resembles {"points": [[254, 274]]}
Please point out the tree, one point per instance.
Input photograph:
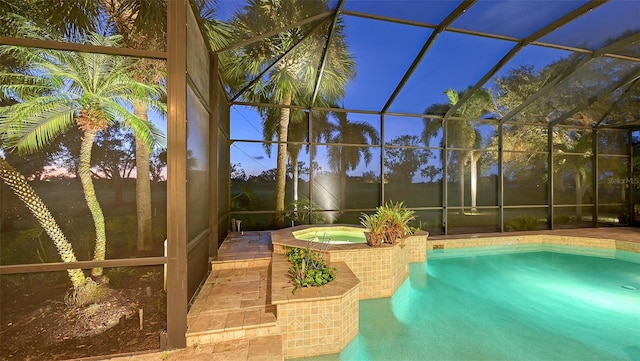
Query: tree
{"points": [[404, 159], [431, 172], [572, 146], [57, 90], [142, 24], [266, 176], [298, 133], [292, 78], [237, 173], [158, 163], [576, 165], [346, 156], [141, 27], [462, 135], [84, 289], [113, 157]]}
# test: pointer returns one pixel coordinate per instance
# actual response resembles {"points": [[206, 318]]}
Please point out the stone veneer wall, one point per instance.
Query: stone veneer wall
{"points": [[316, 320], [628, 246], [382, 270], [417, 244], [323, 320]]}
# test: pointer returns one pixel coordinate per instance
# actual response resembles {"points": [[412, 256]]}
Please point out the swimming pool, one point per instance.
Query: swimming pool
{"points": [[536, 302]]}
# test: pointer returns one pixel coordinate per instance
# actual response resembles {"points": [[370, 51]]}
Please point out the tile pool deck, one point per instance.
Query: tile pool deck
{"points": [[232, 317]]}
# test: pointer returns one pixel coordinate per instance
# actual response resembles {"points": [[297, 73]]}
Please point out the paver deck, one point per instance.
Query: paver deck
{"points": [[232, 318]]}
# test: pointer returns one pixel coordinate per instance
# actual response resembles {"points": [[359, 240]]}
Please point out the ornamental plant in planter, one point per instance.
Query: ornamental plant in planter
{"points": [[375, 225], [308, 268], [397, 219], [388, 224]]}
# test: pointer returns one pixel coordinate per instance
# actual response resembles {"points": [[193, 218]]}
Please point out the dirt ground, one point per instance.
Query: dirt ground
{"points": [[35, 323]]}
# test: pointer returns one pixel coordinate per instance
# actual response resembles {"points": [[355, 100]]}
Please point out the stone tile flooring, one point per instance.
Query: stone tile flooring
{"points": [[232, 318], [231, 301]]}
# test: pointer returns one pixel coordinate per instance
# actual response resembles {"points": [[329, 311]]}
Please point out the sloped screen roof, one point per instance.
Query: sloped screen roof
{"points": [[569, 57]]}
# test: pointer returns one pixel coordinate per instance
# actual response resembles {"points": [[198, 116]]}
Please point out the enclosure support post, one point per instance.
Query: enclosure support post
{"points": [[445, 175], [594, 177], [550, 177], [176, 175], [500, 180]]}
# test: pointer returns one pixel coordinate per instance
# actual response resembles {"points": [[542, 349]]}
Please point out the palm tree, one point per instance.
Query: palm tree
{"points": [[133, 26], [576, 165], [142, 24], [84, 289], [57, 90], [298, 133], [291, 79], [462, 135], [345, 156]]}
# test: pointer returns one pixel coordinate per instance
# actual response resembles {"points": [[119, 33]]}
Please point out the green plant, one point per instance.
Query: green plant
{"points": [[524, 223], [375, 225], [397, 219], [300, 212], [561, 219], [308, 268], [119, 277]]}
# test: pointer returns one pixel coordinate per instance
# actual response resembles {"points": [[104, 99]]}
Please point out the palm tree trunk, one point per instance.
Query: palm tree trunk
{"points": [[39, 210], [143, 188], [578, 181], [474, 182], [342, 173], [461, 171], [281, 165], [84, 169], [296, 175]]}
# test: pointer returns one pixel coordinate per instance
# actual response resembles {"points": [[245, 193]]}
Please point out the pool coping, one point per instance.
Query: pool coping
{"points": [[533, 238], [285, 237]]}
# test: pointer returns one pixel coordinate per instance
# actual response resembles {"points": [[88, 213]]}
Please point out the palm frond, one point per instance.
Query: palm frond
{"points": [[27, 129], [146, 131]]}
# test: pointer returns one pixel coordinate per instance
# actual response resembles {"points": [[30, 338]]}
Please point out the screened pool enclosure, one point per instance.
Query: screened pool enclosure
{"points": [[482, 116]]}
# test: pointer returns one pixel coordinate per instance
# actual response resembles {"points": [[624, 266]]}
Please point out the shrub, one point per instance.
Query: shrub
{"points": [[524, 223], [308, 268], [397, 219], [389, 223], [375, 225]]}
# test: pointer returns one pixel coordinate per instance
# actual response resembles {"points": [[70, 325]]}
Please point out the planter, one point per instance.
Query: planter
{"points": [[374, 239]]}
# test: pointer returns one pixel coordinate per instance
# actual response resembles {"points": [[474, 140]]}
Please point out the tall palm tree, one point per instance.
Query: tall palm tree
{"points": [[346, 156], [57, 90], [142, 25], [141, 29], [84, 289], [292, 79], [298, 134], [462, 135], [577, 164]]}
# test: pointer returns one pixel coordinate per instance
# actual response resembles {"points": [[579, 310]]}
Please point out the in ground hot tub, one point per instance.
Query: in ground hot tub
{"points": [[332, 235]]}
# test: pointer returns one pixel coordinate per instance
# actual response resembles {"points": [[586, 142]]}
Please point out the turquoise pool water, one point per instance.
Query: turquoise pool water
{"points": [[334, 236], [507, 303]]}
